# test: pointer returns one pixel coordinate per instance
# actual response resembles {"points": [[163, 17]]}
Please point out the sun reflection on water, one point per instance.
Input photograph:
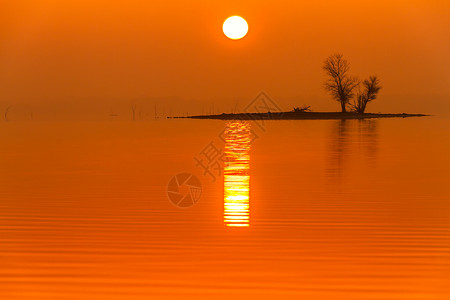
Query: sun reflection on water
{"points": [[236, 174]]}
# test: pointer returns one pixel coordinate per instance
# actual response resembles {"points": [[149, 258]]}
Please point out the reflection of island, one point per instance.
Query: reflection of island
{"points": [[236, 174], [349, 140]]}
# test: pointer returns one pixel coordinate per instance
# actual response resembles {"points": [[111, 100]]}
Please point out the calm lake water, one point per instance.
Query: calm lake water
{"points": [[299, 210]]}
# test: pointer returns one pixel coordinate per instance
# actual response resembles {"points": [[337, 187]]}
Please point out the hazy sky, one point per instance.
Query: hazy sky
{"points": [[107, 54]]}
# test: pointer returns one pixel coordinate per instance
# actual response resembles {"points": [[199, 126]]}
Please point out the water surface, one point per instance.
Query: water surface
{"points": [[336, 210]]}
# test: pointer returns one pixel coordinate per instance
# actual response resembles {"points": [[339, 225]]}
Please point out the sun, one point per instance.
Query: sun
{"points": [[235, 27]]}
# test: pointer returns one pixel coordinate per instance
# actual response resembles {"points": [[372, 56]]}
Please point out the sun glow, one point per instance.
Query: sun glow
{"points": [[235, 27], [236, 176]]}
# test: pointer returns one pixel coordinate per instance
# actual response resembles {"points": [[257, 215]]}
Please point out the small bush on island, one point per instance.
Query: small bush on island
{"points": [[304, 108], [371, 88]]}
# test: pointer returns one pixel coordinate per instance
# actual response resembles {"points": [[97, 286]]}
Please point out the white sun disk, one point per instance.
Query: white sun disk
{"points": [[235, 27]]}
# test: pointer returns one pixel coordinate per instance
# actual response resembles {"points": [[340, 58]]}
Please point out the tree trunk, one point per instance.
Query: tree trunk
{"points": [[343, 106], [363, 109]]}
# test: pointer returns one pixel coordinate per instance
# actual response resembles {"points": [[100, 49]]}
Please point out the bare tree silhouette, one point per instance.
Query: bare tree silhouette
{"points": [[340, 84], [371, 88]]}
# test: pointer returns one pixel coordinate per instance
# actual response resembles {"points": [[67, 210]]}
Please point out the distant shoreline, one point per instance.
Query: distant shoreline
{"points": [[300, 116]]}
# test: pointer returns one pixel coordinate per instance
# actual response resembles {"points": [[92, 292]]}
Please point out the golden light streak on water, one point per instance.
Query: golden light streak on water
{"points": [[236, 174]]}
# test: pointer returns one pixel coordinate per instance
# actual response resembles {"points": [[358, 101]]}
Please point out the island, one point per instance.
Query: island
{"points": [[301, 115]]}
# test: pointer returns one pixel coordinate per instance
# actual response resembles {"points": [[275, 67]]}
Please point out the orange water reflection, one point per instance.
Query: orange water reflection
{"points": [[236, 174]]}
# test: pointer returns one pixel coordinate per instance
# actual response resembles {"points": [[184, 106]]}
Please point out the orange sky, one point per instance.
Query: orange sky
{"points": [[102, 55]]}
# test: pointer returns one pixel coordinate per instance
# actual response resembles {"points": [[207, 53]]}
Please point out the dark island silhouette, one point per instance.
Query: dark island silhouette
{"points": [[342, 87], [295, 115]]}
